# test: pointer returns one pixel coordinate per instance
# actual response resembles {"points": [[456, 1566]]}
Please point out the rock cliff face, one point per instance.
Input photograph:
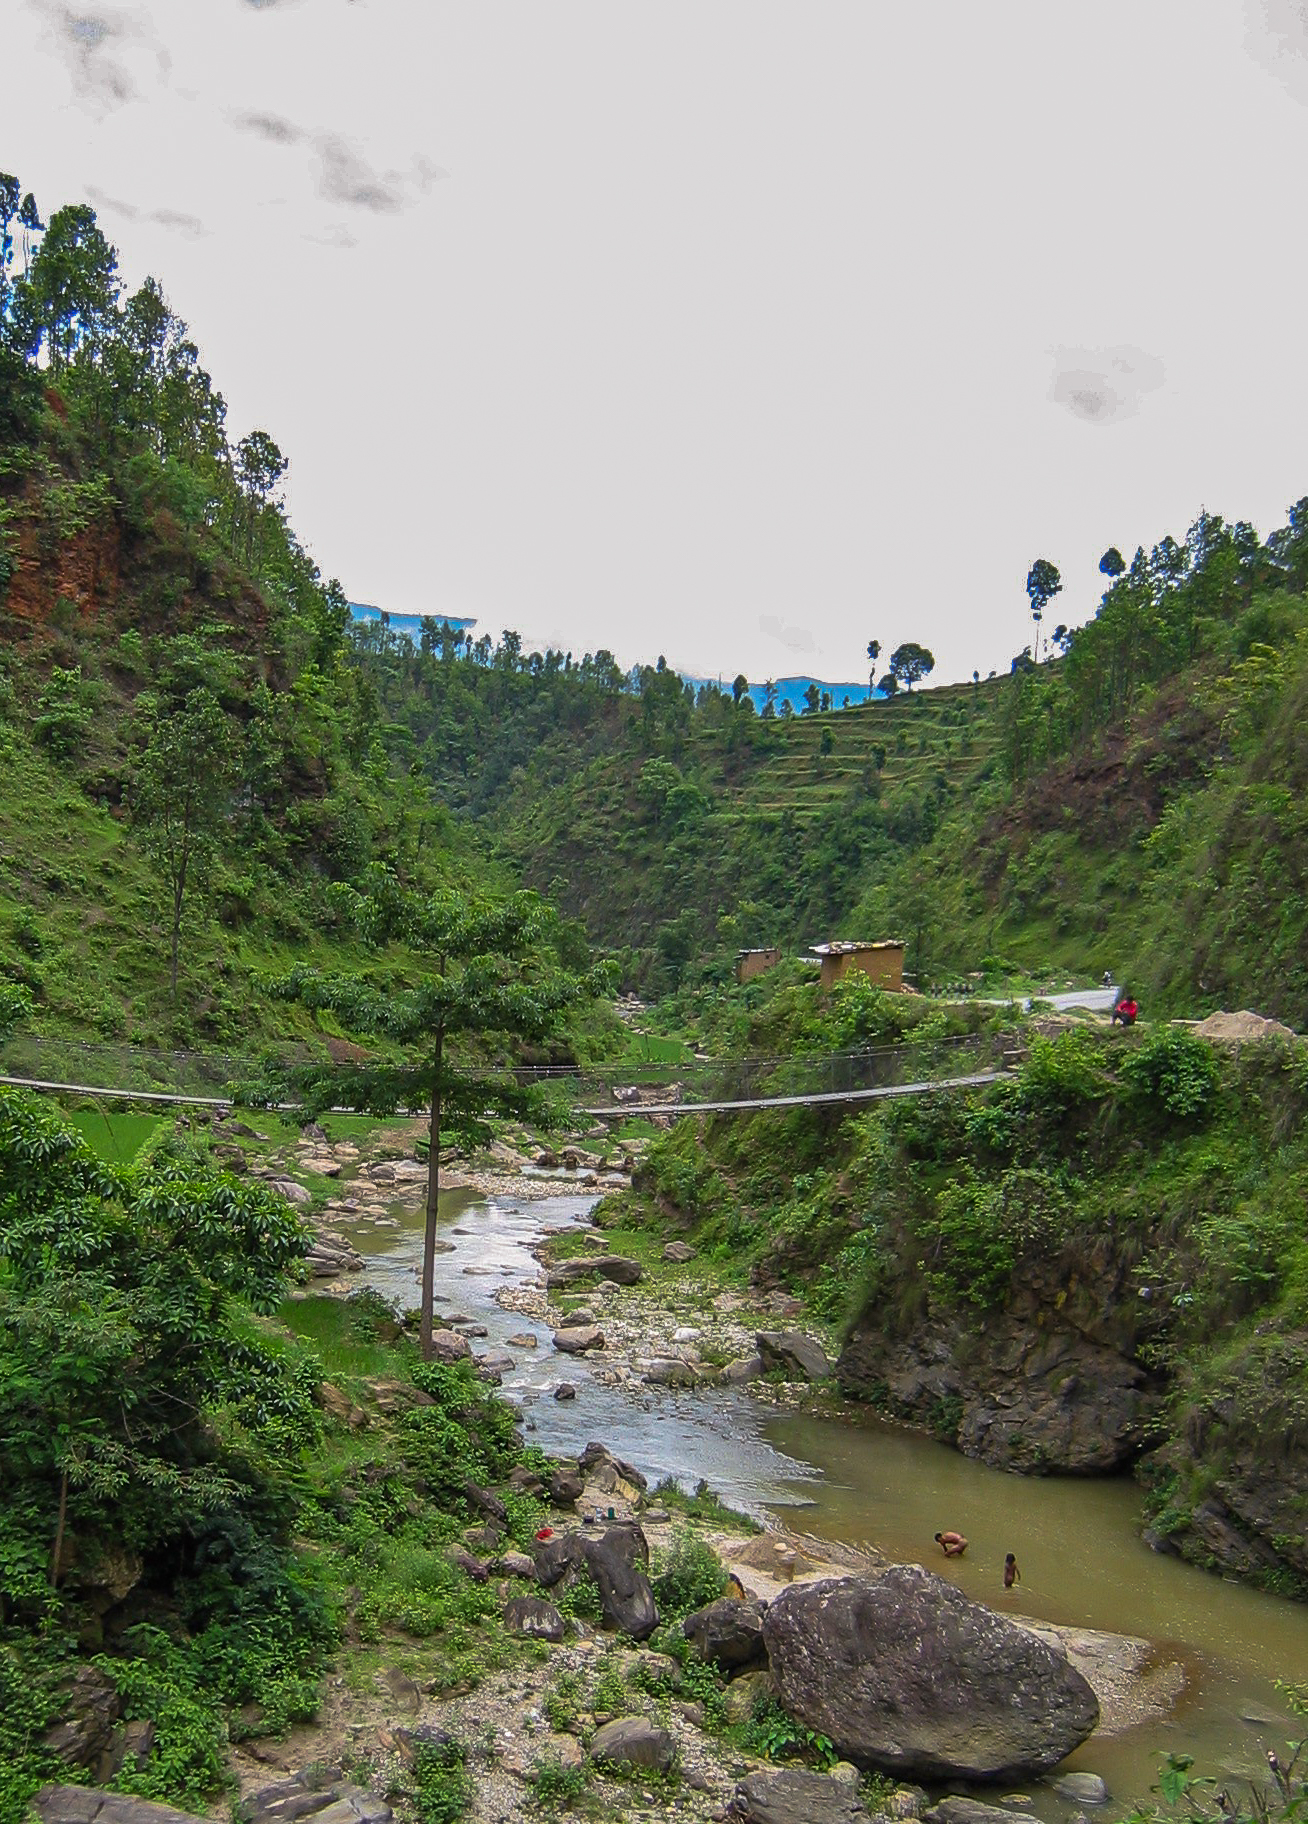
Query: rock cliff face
{"points": [[1050, 1384]]}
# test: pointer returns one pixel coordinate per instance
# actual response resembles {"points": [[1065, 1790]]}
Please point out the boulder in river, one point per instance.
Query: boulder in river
{"points": [[904, 1673], [800, 1356]]}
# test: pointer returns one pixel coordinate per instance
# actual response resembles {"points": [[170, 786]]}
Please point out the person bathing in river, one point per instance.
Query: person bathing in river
{"points": [[953, 1545], [1011, 1573]]}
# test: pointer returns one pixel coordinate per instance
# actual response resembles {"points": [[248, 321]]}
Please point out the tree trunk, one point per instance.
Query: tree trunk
{"points": [[433, 1192], [58, 1552]]}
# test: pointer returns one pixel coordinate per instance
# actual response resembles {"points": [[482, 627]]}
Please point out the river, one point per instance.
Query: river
{"points": [[862, 1481]]}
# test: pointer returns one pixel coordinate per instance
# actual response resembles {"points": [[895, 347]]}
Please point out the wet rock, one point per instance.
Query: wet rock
{"points": [[902, 1672], [534, 1617], [802, 1357], [728, 1634], [793, 1796], [1082, 1788], [633, 1741], [669, 1371], [565, 1391], [578, 1339], [522, 1339]]}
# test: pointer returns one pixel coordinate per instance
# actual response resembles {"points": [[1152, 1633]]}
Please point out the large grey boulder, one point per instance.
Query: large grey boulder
{"points": [[905, 1674], [618, 1561], [620, 1270], [89, 1710], [534, 1617], [728, 1633], [795, 1797], [603, 1470], [632, 1741], [794, 1353], [85, 1805]]}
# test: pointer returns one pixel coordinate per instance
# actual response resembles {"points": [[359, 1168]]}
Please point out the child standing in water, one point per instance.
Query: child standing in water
{"points": [[1011, 1573]]}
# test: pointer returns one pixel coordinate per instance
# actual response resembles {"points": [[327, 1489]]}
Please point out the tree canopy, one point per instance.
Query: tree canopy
{"points": [[495, 978]]}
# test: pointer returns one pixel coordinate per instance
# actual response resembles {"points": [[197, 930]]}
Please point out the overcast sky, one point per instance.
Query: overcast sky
{"points": [[734, 330]]}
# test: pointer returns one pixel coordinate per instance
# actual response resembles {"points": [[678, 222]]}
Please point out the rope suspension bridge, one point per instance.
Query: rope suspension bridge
{"points": [[660, 1092]]}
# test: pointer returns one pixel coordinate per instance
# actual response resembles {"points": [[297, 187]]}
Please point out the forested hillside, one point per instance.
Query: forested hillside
{"points": [[191, 755], [1136, 804]]}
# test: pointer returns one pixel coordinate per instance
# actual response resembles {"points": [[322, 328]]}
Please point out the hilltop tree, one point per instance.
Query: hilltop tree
{"points": [[492, 975], [1042, 584], [888, 685], [873, 654], [179, 798], [260, 465], [739, 688], [910, 663], [1112, 563], [812, 697]]}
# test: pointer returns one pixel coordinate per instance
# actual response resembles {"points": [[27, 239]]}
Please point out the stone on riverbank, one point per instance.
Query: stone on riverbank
{"points": [[578, 1339], [795, 1797], [633, 1741], [533, 1617], [728, 1633], [448, 1346], [800, 1356], [957, 1810], [619, 1270], [905, 1674]]}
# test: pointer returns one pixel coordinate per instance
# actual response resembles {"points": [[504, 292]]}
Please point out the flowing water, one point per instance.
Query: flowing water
{"points": [[864, 1482]]}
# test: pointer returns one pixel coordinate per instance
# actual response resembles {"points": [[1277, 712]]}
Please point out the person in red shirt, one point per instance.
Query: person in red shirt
{"points": [[1125, 1011]]}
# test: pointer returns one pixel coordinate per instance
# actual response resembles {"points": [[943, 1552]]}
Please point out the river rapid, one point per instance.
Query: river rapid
{"points": [[858, 1480]]}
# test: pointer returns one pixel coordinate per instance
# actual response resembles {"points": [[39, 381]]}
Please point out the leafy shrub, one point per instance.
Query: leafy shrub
{"points": [[1174, 1069], [443, 1787], [984, 1226], [1062, 1074], [688, 1576], [773, 1735], [558, 1786]]}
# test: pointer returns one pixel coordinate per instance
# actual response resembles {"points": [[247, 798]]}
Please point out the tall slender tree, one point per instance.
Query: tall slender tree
{"points": [[491, 975]]}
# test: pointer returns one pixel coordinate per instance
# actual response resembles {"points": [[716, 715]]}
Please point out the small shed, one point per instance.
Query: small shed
{"points": [[750, 963], [882, 963]]}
